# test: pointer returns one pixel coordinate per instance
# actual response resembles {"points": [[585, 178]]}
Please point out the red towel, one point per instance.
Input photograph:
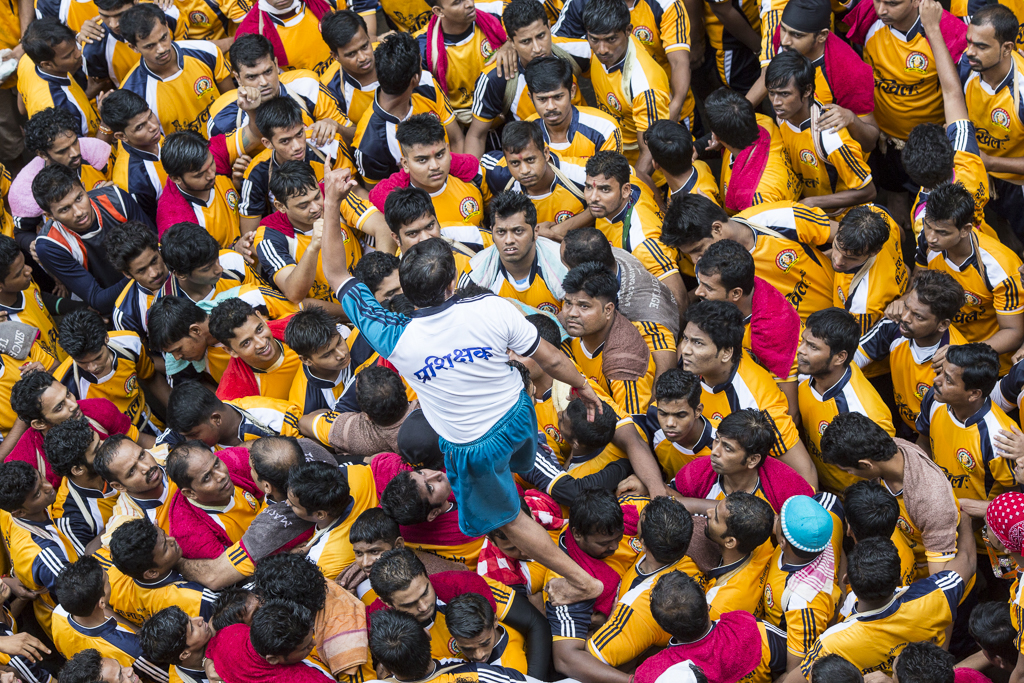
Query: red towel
{"points": [[746, 173], [172, 208], [198, 535], [251, 24], [489, 25], [774, 329], [779, 481], [853, 84], [729, 653], [465, 167], [239, 380], [496, 565], [237, 662], [862, 17], [597, 568]]}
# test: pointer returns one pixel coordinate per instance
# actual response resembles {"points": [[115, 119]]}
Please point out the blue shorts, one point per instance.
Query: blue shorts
{"points": [[480, 472]]}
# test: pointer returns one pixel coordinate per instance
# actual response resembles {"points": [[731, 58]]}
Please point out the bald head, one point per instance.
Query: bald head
{"points": [[271, 459]]}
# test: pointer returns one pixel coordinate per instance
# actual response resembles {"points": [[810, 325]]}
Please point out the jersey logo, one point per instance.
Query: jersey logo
{"points": [[198, 18], [904, 526], [808, 157], [485, 48], [966, 459], [39, 299], [250, 499], [717, 416], [972, 299], [922, 389], [434, 114], [469, 207], [548, 307], [842, 295], [552, 431], [822, 426], [769, 600], [643, 34], [562, 216], [635, 544], [1001, 118], [130, 384], [613, 102], [917, 63], [202, 84], [453, 647], [231, 197], [785, 259]]}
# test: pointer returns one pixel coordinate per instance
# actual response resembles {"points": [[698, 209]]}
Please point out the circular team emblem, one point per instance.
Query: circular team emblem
{"points": [[922, 389], [469, 207], [841, 293], [917, 62], [453, 647], [822, 426], [434, 114], [549, 307], [717, 416], [904, 526], [635, 544], [250, 499], [808, 157], [231, 197], [966, 459], [562, 216], [1001, 118], [198, 18], [552, 431], [785, 259], [613, 102], [202, 84], [643, 34], [972, 299], [769, 599], [130, 384], [39, 299], [485, 48]]}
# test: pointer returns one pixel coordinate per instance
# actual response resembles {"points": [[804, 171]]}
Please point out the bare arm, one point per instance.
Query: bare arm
{"points": [[215, 574], [679, 62], [558, 231], [843, 199], [736, 24], [642, 460], [295, 281], [573, 659], [337, 184], [1010, 334], [456, 139], [966, 550], [953, 103], [797, 458]]}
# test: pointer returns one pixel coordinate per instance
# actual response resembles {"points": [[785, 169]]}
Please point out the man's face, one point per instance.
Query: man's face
{"points": [[391, 285], [433, 486], [728, 456], [609, 48], [142, 131], [698, 353], [330, 359], [529, 166], [418, 600], [710, 288], [289, 144], [111, 671], [515, 239], [299, 511], [202, 180], [211, 483], [198, 634], [943, 235], [302, 651], [368, 553], [949, 384], [208, 432], [67, 57], [605, 196], [554, 107], [813, 355], [983, 49], [208, 275], [583, 314], [786, 100], [190, 347], [479, 649], [98, 364], [135, 470], [532, 41], [41, 497], [148, 269], [58, 404], [896, 12], [799, 41], [254, 343], [263, 75], [846, 261], [509, 548], [156, 48], [19, 277], [166, 553], [716, 529], [598, 545], [112, 18], [423, 228], [428, 165], [918, 321], [65, 151], [304, 209], [356, 57], [696, 250], [74, 210], [459, 11], [676, 418]]}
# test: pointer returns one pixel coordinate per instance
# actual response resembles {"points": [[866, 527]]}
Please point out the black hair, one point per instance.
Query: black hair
{"points": [[227, 317], [394, 571], [750, 522], [834, 668], [292, 179], [838, 329], [509, 203], [374, 525], [593, 279], [591, 435], [950, 202], [518, 135], [105, 454], [979, 364], [524, 373], [374, 267], [111, 5], [609, 164], [722, 322], [671, 146], [588, 244], [27, 394], [45, 126], [170, 318], [1003, 22], [84, 667], [754, 430], [688, 220], [924, 662], [731, 262], [546, 328], [992, 628], [65, 445], [310, 330], [381, 395], [852, 437], [731, 118], [127, 241], [405, 206], [602, 17], [188, 246], [287, 576], [120, 107], [676, 384], [140, 21], [178, 461], [928, 155], [319, 487], [42, 36], [271, 464], [400, 643], [468, 615], [403, 502], [82, 332], [79, 586], [8, 254], [398, 62], [279, 627], [426, 271], [789, 65], [190, 405], [862, 231], [873, 567], [132, 545], [596, 511], [230, 607], [278, 113], [679, 606], [871, 511], [248, 50], [546, 74], [163, 636], [940, 292], [340, 27], [666, 530], [52, 184], [184, 151], [419, 129], [520, 14]]}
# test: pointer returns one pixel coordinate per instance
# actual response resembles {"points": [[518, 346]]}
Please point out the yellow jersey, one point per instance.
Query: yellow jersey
{"points": [[81, 514], [352, 97], [279, 254], [637, 103], [112, 639], [563, 200], [590, 131], [998, 124], [10, 374], [843, 167], [304, 51], [263, 416], [73, 13], [459, 207], [636, 228], [633, 396], [40, 90], [740, 585], [330, 548], [276, 381], [468, 54], [778, 182], [219, 213]]}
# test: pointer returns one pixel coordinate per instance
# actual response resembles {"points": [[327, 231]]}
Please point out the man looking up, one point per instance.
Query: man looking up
{"points": [[135, 473], [137, 170], [106, 56], [412, 219], [352, 76]]}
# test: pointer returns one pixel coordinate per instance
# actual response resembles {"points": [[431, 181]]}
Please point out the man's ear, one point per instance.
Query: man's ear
{"points": [[699, 410], [151, 574], [400, 543], [726, 354], [188, 493], [17, 513], [716, 229], [279, 207], [79, 470], [306, 361], [865, 464], [436, 11], [735, 294], [274, 659], [266, 143], [120, 136], [609, 308], [435, 513], [38, 425], [729, 542], [117, 486], [194, 330]]}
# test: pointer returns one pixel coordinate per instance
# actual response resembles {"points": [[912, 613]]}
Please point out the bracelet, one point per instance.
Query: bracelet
{"points": [[103, 128]]}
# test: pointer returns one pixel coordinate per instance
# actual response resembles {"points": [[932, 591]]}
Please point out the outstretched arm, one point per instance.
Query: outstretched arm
{"points": [[337, 184], [953, 102]]}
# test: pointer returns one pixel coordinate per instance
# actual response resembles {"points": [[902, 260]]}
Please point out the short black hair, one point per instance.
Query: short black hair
{"points": [[400, 643], [950, 202], [84, 667], [873, 567], [731, 118], [163, 636], [65, 445], [292, 179], [188, 246], [374, 525], [319, 487], [279, 626], [754, 430], [609, 164], [852, 437], [593, 279], [394, 571], [789, 65], [928, 155], [52, 184], [278, 113], [42, 36], [671, 146], [596, 511], [602, 17], [268, 457], [862, 231], [381, 395], [518, 135], [132, 545], [924, 662], [871, 511], [127, 241], [468, 615], [140, 21], [419, 129], [722, 322], [310, 330], [27, 394], [546, 74], [374, 267], [230, 607], [190, 404], [8, 254], [679, 606], [287, 576], [185, 151], [588, 244], [82, 332], [120, 107], [940, 292], [426, 271], [402, 501], [676, 384], [688, 220], [666, 530], [591, 435], [111, 5], [509, 203], [546, 328], [338, 28], [79, 586], [228, 316], [170, 318], [248, 50], [45, 126], [838, 329], [178, 462], [1003, 22], [398, 62], [750, 522], [834, 668], [520, 14], [992, 628], [405, 206], [731, 262], [979, 364]]}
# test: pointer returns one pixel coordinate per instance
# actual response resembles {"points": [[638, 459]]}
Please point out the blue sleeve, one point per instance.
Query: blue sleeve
{"points": [[373, 158], [952, 584], [422, 40], [921, 253], [47, 565], [77, 530], [223, 122], [570, 23], [254, 190], [879, 339], [962, 136], [47, 8], [924, 417], [569, 621], [496, 174], [94, 59], [1010, 386], [489, 98], [364, 6], [347, 402], [77, 278], [134, 212], [382, 329]]}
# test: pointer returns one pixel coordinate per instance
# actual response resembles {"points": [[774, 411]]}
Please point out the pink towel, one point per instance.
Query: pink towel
{"points": [[172, 208], [847, 70], [747, 170], [779, 481], [251, 24], [774, 329], [598, 568], [489, 25], [861, 18], [237, 662], [95, 152], [465, 167]]}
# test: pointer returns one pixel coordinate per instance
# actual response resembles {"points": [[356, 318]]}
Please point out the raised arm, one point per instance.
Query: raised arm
{"points": [[953, 102], [337, 184]]}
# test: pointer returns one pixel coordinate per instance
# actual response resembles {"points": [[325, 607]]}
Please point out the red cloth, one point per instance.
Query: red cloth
{"points": [[99, 410], [965, 675], [447, 586], [488, 24], [237, 662], [198, 535], [239, 380], [465, 167], [862, 17], [853, 84], [779, 481], [774, 329], [251, 24], [597, 568], [172, 208], [1005, 519], [496, 565], [747, 170], [728, 654]]}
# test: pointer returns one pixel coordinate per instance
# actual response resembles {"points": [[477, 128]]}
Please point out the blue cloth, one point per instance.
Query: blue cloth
{"points": [[480, 471]]}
